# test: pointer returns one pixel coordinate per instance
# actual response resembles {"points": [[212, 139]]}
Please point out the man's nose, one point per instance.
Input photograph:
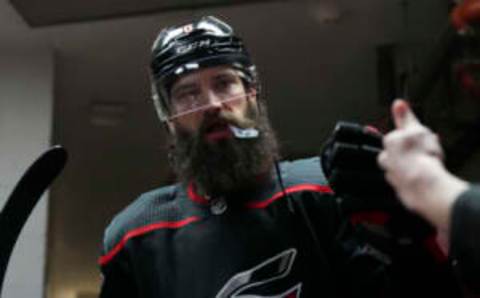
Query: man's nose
{"points": [[212, 100]]}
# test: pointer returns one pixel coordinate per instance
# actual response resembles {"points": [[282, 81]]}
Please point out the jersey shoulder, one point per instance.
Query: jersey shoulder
{"points": [[303, 171], [157, 205]]}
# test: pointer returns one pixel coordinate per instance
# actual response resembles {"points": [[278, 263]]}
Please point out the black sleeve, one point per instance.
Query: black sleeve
{"points": [[465, 237], [117, 279]]}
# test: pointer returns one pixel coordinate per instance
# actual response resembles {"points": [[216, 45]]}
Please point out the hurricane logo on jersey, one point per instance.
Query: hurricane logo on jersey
{"points": [[241, 284]]}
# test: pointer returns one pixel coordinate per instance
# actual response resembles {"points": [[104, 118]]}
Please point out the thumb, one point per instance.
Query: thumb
{"points": [[402, 115]]}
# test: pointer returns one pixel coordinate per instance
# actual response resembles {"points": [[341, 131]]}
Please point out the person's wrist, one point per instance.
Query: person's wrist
{"points": [[438, 189], [448, 190]]}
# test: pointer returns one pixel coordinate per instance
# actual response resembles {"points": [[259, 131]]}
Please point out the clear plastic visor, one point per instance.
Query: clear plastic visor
{"points": [[194, 104]]}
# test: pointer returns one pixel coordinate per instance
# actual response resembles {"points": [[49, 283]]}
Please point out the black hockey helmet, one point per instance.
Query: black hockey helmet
{"points": [[205, 43]]}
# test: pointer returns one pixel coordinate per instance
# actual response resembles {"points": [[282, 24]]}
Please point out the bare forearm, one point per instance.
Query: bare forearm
{"points": [[437, 192]]}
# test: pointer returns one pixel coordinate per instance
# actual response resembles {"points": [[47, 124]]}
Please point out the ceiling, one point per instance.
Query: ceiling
{"points": [[54, 12], [317, 61]]}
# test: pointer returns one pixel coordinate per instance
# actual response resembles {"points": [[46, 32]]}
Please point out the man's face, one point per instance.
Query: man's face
{"points": [[213, 98], [204, 106]]}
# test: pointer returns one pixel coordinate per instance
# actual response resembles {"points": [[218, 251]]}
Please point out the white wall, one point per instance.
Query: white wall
{"points": [[26, 100]]}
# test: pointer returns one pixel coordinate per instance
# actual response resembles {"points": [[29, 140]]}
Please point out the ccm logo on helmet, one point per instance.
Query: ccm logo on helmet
{"points": [[183, 49]]}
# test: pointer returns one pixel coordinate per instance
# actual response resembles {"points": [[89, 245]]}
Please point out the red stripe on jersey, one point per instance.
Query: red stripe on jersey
{"points": [[194, 196], [289, 190], [103, 260]]}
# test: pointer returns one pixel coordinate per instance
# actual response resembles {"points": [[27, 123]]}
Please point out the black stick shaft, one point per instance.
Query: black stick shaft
{"points": [[23, 199]]}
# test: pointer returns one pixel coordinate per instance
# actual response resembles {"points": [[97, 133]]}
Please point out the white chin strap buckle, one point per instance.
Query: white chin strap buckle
{"points": [[244, 133]]}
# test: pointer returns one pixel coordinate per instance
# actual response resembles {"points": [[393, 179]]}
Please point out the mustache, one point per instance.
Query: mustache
{"points": [[226, 118]]}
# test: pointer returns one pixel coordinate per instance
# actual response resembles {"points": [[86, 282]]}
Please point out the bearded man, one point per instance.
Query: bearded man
{"points": [[238, 223]]}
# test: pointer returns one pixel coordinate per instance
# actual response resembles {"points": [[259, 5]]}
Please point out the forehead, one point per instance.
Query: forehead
{"points": [[203, 74]]}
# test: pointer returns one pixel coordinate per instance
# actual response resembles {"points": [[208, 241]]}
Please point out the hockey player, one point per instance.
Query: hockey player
{"points": [[238, 223]]}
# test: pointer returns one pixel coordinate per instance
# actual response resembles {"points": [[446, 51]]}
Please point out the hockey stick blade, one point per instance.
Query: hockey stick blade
{"points": [[23, 199]]}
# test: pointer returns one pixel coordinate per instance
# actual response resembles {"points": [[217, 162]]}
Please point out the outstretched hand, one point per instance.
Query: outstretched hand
{"points": [[412, 160]]}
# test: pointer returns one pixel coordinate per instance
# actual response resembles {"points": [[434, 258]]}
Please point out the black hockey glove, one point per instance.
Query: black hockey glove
{"points": [[349, 161], [382, 247]]}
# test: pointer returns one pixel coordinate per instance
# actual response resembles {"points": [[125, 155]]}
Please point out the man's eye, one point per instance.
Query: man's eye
{"points": [[183, 97], [185, 100], [223, 84]]}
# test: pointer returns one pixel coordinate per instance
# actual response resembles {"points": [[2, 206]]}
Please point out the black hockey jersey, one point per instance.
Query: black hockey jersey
{"points": [[281, 241]]}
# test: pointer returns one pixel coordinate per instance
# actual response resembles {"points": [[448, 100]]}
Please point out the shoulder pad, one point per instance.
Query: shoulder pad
{"points": [[303, 171], [153, 206]]}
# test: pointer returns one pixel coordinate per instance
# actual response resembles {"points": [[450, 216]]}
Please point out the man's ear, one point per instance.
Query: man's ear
{"points": [[252, 98], [251, 93]]}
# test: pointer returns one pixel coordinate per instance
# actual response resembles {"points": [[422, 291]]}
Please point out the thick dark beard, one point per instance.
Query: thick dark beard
{"points": [[229, 166]]}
